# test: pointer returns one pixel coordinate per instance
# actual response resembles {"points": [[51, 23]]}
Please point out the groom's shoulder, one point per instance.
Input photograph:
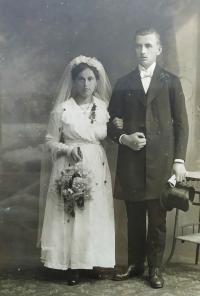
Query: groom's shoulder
{"points": [[167, 73], [173, 81], [126, 77]]}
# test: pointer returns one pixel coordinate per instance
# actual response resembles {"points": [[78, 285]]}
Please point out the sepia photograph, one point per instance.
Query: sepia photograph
{"points": [[100, 147]]}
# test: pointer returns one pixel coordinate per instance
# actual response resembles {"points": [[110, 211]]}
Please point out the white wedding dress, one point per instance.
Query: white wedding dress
{"points": [[88, 239]]}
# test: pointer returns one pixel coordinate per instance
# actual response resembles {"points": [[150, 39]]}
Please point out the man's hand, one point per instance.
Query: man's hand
{"points": [[118, 122], [134, 141], [179, 171]]}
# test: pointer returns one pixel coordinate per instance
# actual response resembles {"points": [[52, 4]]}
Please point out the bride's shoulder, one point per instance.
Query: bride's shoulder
{"points": [[67, 104], [100, 103], [63, 106]]}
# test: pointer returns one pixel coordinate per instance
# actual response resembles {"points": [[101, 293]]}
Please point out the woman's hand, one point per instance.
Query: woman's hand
{"points": [[76, 154], [118, 122]]}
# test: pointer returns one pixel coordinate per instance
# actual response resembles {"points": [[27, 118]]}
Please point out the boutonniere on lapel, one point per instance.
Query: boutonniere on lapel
{"points": [[163, 77]]}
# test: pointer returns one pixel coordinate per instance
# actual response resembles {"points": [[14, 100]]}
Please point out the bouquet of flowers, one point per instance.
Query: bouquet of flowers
{"points": [[74, 185]]}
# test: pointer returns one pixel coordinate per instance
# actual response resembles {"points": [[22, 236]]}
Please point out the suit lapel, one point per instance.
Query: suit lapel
{"points": [[135, 84], [155, 85]]}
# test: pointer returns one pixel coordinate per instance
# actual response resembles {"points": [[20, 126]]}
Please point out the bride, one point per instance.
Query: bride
{"points": [[77, 126]]}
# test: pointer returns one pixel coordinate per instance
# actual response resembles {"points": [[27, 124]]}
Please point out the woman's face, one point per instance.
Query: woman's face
{"points": [[85, 83]]}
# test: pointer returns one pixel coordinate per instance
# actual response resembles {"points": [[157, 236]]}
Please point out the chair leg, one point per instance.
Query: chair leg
{"points": [[197, 255], [174, 241], [197, 250]]}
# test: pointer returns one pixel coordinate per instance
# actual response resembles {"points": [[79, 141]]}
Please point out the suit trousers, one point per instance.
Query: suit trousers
{"points": [[142, 243]]}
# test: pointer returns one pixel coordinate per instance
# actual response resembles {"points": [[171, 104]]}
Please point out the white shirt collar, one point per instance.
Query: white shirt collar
{"points": [[149, 70]]}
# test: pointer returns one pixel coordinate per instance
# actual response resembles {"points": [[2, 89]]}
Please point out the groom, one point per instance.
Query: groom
{"points": [[152, 144]]}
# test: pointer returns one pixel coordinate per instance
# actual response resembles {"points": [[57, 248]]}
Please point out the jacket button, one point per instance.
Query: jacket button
{"points": [[142, 125], [158, 133]]}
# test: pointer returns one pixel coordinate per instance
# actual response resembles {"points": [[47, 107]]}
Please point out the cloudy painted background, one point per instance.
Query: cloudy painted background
{"points": [[37, 41]]}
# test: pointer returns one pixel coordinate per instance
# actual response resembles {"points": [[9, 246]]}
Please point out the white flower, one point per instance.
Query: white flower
{"points": [[83, 59], [70, 191]]}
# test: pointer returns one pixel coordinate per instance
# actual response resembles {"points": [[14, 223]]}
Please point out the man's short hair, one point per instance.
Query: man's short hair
{"points": [[147, 31]]}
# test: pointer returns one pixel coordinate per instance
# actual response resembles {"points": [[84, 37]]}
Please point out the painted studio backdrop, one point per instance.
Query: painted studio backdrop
{"points": [[37, 40]]}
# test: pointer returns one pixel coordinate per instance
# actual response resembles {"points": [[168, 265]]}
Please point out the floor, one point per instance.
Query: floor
{"points": [[180, 279]]}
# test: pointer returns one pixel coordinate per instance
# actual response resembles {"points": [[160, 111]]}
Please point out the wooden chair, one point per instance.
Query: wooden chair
{"points": [[193, 237]]}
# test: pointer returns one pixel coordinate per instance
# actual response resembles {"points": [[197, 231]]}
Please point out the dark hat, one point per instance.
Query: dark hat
{"points": [[177, 197]]}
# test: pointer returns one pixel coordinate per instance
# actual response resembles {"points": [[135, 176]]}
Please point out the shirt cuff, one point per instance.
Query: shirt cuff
{"points": [[120, 139], [179, 160]]}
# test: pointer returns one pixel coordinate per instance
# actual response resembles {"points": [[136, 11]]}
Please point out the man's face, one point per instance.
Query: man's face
{"points": [[147, 48]]}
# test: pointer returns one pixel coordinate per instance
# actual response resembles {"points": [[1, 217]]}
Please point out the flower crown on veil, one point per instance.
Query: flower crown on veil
{"points": [[87, 60]]}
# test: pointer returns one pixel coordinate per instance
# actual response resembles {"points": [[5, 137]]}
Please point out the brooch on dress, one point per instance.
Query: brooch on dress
{"points": [[92, 115], [163, 77]]}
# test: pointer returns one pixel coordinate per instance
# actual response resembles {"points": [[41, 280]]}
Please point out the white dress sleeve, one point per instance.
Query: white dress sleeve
{"points": [[54, 131]]}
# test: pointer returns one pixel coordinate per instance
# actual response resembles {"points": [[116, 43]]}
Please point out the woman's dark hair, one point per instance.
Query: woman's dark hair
{"points": [[81, 67]]}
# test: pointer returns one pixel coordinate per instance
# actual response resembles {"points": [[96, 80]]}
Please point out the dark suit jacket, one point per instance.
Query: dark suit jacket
{"points": [[161, 116]]}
